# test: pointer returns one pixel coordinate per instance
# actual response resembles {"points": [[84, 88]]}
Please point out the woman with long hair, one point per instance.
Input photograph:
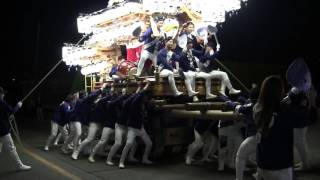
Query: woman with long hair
{"points": [[275, 131]]}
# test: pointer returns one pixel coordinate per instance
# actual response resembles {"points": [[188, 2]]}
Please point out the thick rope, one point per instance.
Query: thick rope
{"points": [[234, 76], [12, 120]]}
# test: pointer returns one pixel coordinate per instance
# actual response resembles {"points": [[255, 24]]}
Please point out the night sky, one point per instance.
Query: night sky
{"points": [[266, 31]]}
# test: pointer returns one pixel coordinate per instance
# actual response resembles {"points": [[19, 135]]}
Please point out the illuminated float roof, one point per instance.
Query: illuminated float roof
{"points": [[113, 26]]}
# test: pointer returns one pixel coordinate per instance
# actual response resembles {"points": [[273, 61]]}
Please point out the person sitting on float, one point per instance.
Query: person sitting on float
{"points": [[150, 38], [167, 66]]}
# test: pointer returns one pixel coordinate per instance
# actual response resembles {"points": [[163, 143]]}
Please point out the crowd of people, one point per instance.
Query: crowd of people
{"points": [[188, 54], [275, 122], [117, 114]]}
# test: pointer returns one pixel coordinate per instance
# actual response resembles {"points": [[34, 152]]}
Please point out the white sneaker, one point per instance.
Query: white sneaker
{"points": [[210, 96], [178, 93], [234, 91], [146, 161], [74, 156], [188, 161], [193, 93], [46, 148], [110, 163], [91, 159], [121, 166], [195, 99], [23, 167], [55, 144]]}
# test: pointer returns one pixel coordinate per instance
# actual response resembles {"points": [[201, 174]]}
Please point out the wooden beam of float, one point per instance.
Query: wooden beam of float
{"points": [[205, 106], [210, 115], [201, 106], [172, 106], [161, 87]]}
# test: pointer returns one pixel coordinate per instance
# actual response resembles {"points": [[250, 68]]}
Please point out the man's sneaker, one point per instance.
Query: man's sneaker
{"points": [[193, 93], [91, 159], [178, 93], [188, 161], [195, 99], [23, 167], [46, 148], [110, 163], [210, 96], [74, 156], [234, 91], [121, 166]]}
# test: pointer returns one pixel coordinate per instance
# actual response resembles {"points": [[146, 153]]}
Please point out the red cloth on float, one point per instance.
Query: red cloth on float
{"points": [[134, 52]]}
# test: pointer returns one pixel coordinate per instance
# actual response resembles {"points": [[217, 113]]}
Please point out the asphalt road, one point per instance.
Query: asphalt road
{"points": [[54, 165]]}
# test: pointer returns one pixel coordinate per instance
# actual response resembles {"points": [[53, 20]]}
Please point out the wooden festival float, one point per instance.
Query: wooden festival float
{"points": [[115, 27]]}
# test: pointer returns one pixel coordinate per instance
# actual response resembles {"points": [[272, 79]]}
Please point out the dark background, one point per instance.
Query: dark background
{"points": [[268, 32]]}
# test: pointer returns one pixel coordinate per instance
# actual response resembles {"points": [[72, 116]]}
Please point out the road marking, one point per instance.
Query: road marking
{"points": [[49, 164]]}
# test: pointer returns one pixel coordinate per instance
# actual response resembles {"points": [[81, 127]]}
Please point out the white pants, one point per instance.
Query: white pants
{"points": [[225, 81], [54, 131], [120, 132], [199, 142], [92, 131], [234, 138], [105, 135], [8, 144], [210, 146], [190, 82], [246, 149], [282, 174], [75, 133], [300, 142], [58, 137], [207, 78], [172, 83], [132, 134], [144, 56]]}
